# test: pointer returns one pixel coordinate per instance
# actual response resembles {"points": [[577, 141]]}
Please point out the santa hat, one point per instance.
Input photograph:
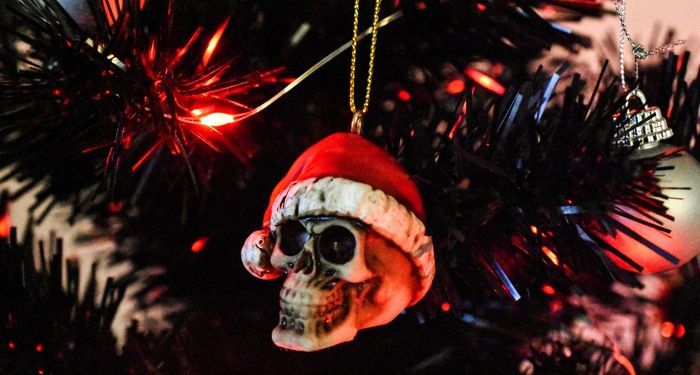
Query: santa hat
{"points": [[348, 176]]}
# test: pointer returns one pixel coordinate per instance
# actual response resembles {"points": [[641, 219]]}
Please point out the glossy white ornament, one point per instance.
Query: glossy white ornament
{"points": [[682, 185]]}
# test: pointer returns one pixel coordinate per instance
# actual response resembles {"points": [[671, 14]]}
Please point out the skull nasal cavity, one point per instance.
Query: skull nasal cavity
{"points": [[304, 263]]}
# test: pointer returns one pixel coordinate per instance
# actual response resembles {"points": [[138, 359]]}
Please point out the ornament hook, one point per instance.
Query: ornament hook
{"points": [[636, 93], [356, 124]]}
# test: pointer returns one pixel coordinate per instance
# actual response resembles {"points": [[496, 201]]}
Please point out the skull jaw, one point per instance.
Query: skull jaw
{"points": [[321, 331], [309, 342]]}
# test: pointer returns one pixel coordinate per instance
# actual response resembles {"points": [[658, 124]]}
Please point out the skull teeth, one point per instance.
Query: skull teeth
{"points": [[294, 310], [297, 316], [308, 312], [304, 298], [292, 324]]}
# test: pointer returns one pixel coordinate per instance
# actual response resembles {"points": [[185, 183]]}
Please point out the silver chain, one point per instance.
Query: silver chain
{"points": [[639, 51]]}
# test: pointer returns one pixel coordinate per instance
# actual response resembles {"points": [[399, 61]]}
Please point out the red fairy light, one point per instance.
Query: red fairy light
{"points": [[481, 7], [11, 345], [667, 329], [198, 246], [404, 95], [445, 307], [455, 87], [680, 331], [548, 290], [216, 119], [214, 42], [39, 348], [485, 81]]}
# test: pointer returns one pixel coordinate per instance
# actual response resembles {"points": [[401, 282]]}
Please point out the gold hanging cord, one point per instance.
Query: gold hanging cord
{"points": [[356, 126]]}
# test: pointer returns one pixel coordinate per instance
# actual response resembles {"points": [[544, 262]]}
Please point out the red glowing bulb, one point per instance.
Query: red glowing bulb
{"points": [[39, 348], [485, 81], [667, 329], [481, 7], [216, 119], [198, 246], [455, 86], [680, 331], [404, 95], [445, 307], [11, 345], [548, 289]]}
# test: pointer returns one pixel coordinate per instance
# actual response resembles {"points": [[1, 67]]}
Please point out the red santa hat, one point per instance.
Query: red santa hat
{"points": [[346, 175]]}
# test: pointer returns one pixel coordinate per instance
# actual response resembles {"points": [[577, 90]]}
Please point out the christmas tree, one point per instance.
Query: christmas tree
{"points": [[477, 205]]}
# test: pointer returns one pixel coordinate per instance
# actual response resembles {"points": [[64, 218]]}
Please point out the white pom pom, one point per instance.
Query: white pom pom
{"points": [[255, 255]]}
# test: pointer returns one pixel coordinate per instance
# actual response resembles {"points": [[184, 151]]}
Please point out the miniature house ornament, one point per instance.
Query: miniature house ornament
{"points": [[345, 225]]}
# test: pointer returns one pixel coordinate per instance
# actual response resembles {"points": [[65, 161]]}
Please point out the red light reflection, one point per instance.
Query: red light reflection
{"points": [[214, 42], [485, 81]]}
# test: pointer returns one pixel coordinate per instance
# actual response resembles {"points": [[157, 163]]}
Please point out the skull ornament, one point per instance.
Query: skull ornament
{"points": [[350, 239], [341, 277]]}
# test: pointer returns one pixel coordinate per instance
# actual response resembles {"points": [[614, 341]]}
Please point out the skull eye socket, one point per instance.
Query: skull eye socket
{"points": [[292, 237], [337, 244]]}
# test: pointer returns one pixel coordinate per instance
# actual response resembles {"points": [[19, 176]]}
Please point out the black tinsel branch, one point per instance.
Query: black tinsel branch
{"points": [[46, 328], [131, 97]]}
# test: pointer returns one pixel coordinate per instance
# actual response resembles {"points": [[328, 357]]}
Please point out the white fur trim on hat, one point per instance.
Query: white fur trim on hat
{"points": [[343, 197]]}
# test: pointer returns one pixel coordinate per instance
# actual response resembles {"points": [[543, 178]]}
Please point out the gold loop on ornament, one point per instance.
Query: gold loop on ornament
{"points": [[356, 124]]}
